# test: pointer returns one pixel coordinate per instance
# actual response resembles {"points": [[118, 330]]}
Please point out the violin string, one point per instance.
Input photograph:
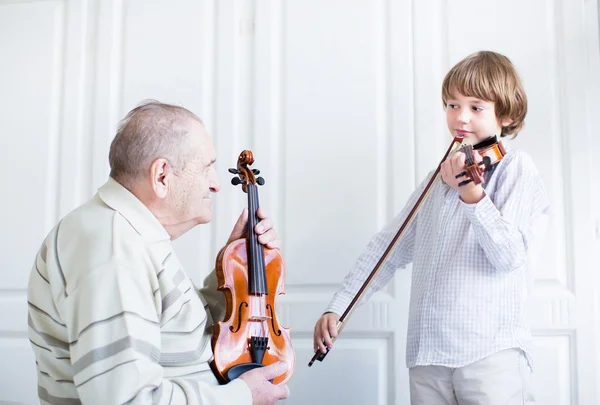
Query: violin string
{"points": [[260, 269], [252, 221], [255, 239], [261, 259], [251, 265], [256, 245]]}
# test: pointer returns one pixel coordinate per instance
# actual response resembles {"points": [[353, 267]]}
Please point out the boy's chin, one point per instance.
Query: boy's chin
{"points": [[468, 139]]}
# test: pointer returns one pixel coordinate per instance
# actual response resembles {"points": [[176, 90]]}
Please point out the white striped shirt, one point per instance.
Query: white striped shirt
{"points": [[471, 266], [113, 317]]}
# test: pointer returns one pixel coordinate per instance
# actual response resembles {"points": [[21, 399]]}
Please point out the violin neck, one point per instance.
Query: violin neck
{"points": [[257, 278]]}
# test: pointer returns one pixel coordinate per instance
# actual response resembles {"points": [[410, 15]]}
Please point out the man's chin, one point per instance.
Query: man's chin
{"points": [[204, 219]]}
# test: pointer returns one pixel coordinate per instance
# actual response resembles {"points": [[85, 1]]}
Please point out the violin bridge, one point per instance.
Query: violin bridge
{"points": [[259, 318]]}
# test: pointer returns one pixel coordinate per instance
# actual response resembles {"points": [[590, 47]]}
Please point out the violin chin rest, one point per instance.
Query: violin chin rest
{"points": [[237, 370]]}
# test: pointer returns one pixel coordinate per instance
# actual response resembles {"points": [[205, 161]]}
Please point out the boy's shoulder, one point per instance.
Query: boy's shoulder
{"points": [[518, 159]]}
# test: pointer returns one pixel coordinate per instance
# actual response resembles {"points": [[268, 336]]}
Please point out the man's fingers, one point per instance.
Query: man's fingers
{"points": [[239, 229], [243, 219], [264, 226], [282, 391], [274, 370], [267, 237], [274, 244], [262, 213]]}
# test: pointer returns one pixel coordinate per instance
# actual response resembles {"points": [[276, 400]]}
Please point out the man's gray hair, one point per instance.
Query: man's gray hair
{"points": [[150, 131]]}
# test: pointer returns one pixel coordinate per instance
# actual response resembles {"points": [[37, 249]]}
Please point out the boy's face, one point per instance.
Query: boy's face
{"points": [[472, 118]]}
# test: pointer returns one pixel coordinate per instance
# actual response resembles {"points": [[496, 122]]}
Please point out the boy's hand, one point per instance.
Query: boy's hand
{"points": [[454, 166], [325, 330]]}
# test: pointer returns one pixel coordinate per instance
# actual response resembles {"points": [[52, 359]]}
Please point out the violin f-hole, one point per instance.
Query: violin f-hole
{"points": [[239, 317], [278, 331]]}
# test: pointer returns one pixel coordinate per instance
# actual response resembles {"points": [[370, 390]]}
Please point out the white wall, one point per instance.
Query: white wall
{"points": [[340, 103]]}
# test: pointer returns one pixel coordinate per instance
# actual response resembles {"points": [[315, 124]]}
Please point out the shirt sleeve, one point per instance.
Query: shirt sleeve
{"points": [[115, 345], [507, 223], [399, 257]]}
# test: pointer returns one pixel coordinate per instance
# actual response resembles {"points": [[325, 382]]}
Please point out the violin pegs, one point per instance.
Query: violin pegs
{"points": [[260, 180], [235, 181], [255, 171], [233, 171]]}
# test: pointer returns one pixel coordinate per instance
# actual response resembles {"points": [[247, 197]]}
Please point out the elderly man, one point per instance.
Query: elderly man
{"points": [[113, 316]]}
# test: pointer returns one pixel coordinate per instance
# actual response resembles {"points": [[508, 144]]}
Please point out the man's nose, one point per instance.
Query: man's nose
{"points": [[214, 185]]}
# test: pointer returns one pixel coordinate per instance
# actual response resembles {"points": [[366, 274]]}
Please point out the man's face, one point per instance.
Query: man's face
{"points": [[190, 196]]}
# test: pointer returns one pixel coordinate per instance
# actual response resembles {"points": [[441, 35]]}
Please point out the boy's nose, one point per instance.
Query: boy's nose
{"points": [[464, 116]]}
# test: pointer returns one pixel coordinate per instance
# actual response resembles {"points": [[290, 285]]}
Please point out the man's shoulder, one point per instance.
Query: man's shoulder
{"points": [[92, 224], [93, 235]]}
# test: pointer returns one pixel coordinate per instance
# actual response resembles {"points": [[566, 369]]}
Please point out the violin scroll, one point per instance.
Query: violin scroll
{"points": [[245, 175]]}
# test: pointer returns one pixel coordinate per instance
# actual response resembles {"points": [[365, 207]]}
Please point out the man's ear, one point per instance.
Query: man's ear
{"points": [[160, 176]]}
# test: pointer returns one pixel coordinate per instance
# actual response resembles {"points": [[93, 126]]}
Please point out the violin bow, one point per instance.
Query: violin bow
{"points": [[320, 356]]}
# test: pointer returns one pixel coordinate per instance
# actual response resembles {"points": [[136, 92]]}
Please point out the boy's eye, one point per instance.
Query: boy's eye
{"points": [[475, 108], [452, 105]]}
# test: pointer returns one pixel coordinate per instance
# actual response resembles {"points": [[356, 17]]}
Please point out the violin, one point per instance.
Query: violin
{"points": [[491, 150], [251, 277]]}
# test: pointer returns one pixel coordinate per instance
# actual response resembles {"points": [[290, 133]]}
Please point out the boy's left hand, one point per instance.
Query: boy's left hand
{"points": [[265, 229], [455, 165]]}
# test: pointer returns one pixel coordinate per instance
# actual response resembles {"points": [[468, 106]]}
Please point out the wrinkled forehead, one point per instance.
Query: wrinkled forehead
{"points": [[202, 143]]}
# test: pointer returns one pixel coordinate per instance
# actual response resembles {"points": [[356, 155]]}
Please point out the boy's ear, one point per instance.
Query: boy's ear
{"points": [[506, 122]]}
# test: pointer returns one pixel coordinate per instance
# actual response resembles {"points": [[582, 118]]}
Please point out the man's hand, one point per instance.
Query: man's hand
{"points": [[265, 229], [325, 330], [455, 166], [263, 391]]}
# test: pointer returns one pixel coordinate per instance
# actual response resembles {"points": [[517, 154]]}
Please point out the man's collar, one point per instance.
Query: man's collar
{"points": [[133, 210]]}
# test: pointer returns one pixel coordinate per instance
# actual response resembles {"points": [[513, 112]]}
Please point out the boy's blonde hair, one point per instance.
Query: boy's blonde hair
{"points": [[491, 77]]}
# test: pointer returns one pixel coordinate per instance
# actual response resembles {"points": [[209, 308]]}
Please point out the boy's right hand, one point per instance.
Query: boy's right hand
{"points": [[263, 391], [325, 330]]}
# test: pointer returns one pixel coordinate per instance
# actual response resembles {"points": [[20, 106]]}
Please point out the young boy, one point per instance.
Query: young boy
{"points": [[470, 246]]}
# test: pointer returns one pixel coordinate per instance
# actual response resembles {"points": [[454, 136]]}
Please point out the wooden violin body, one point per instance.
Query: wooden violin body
{"points": [[251, 277]]}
